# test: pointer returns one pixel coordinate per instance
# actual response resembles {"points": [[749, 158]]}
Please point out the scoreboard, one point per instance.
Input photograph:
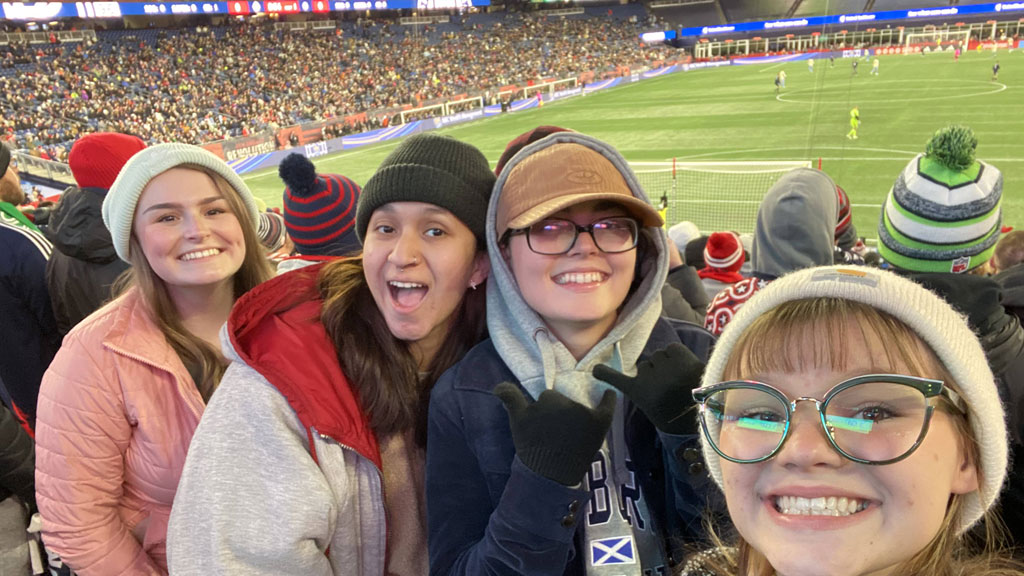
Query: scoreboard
{"points": [[44, 11]]}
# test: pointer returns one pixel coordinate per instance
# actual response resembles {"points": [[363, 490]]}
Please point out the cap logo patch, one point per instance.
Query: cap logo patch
{"points": [[960, 264], [846, 276], [584, 177]]}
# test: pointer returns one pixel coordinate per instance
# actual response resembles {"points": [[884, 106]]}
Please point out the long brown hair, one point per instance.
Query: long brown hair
{"points": [[817, 331], [381, 368], [201, 360]]}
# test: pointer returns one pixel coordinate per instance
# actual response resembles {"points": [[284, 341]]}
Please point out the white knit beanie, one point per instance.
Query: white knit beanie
{"points": [[934, 322], [120, 201]]}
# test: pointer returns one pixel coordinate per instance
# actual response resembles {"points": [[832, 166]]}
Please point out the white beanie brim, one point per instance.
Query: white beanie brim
{"points": [[123, 196]]}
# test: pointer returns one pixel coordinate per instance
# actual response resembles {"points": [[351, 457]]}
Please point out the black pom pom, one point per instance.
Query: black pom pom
{"points": [[298, 174]]}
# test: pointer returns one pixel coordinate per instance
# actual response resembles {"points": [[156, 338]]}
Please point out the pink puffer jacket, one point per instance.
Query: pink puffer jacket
{"points": [[117, 410]]}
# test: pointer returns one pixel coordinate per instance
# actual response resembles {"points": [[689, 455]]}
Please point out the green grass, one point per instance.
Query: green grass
{"points": [[732, 113]]}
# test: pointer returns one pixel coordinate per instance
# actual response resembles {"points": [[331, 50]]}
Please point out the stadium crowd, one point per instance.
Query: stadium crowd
{"points": [[118, 495], [206, 84], [461, 370]]}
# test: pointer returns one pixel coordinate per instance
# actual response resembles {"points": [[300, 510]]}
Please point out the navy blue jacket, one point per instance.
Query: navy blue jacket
{"points": [[28, 332], [488, 514]]}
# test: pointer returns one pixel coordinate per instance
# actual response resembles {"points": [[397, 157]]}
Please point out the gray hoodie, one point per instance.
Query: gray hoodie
{"points": [[540, 361], [795, 224]]}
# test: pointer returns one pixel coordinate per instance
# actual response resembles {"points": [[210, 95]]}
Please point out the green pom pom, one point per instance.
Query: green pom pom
{"points": [[953, 147]]}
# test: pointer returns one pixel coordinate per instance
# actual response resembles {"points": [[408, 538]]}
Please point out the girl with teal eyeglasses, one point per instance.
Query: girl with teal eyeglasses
{"points": [[851, 419]]}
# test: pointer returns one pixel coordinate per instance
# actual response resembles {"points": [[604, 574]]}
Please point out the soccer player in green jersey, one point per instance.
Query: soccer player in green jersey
{"points": [[854, 123]]}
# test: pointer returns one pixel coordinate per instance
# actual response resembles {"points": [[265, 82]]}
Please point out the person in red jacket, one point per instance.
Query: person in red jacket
{"points": [[310, 460]]}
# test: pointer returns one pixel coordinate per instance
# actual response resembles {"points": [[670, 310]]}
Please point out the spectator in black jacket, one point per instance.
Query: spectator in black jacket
{"points": [[17, 493], [28, 334], [950, 256], [1002, 338], [84, 265], [1007, 264]]}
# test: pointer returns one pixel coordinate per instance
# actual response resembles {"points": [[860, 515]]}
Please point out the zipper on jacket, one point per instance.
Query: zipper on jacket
{"points": [[380, 480], [380, 473]]}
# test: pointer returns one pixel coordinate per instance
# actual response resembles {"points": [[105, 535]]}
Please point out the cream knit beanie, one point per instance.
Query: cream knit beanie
{"points": [[930, 317], [120, 201]]}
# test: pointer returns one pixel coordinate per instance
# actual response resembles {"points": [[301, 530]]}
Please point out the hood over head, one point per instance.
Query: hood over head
{"points": [[553, 173], [796, 224]]}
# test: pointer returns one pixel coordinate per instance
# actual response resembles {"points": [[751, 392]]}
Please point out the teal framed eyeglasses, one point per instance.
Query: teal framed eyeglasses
{"points": [[873, 419]]}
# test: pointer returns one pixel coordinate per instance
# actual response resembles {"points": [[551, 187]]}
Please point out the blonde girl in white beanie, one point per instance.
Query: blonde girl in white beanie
{"points": [[851, 419]]}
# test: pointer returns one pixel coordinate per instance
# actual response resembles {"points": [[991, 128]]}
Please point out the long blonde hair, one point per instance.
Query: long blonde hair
{"points": [[200, 359], [817, 332]]}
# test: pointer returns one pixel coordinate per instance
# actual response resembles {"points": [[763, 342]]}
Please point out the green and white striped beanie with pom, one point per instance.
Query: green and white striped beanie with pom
{"points": [[943, 214]]}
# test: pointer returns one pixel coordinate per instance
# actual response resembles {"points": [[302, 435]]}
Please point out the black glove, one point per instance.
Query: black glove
{"points": [[661, 387], [554, 436]]}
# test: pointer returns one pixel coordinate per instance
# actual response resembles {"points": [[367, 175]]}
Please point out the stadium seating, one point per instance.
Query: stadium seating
{"points": [[825, 7], [704, 14], [747, 10], [200, 85], [882, 5]]}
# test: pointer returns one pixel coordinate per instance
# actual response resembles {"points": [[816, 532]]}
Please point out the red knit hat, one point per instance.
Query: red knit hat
{"points": [[96, 159], [724, 252], [723, 258]]}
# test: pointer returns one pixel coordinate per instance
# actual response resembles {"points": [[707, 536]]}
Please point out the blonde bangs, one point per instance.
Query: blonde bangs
{"points": [[815, 333]]}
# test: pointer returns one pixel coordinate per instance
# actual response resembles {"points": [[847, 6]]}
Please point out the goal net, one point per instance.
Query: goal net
{"points": [[938, 39], [715, 196]]}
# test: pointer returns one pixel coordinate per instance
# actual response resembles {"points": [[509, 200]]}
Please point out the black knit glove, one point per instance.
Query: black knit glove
{"points": [[661, 387], [554, 436]]}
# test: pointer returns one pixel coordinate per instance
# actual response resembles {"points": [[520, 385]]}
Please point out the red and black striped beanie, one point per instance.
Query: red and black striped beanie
{"points": [[319, 209]]}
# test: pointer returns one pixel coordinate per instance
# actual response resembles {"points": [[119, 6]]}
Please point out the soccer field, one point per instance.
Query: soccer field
{"points": [[732, 113]]}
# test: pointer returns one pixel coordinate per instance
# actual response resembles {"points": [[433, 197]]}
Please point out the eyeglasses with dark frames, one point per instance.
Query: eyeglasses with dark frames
{"points": [[555, 236]]}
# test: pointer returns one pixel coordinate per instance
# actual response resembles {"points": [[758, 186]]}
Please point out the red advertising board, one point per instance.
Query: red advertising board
{"points": [[279, 7]]}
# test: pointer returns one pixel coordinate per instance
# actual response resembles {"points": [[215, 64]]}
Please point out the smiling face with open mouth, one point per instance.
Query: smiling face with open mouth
{"points": [[187, 230], [581, 290], [419, 260], [809, 510]]}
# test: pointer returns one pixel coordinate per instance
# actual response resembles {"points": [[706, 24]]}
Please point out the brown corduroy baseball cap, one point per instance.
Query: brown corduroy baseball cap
{"points": [[560, 176]]}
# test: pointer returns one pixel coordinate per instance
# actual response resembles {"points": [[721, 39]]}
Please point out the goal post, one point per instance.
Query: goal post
{"points": [[471, 103], [550, 87], [938, 39], [421, 113], [716, 196]]}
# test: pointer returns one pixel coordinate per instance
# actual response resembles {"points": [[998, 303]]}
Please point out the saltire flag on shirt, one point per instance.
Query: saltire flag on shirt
{"points": [[618, 550]]}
